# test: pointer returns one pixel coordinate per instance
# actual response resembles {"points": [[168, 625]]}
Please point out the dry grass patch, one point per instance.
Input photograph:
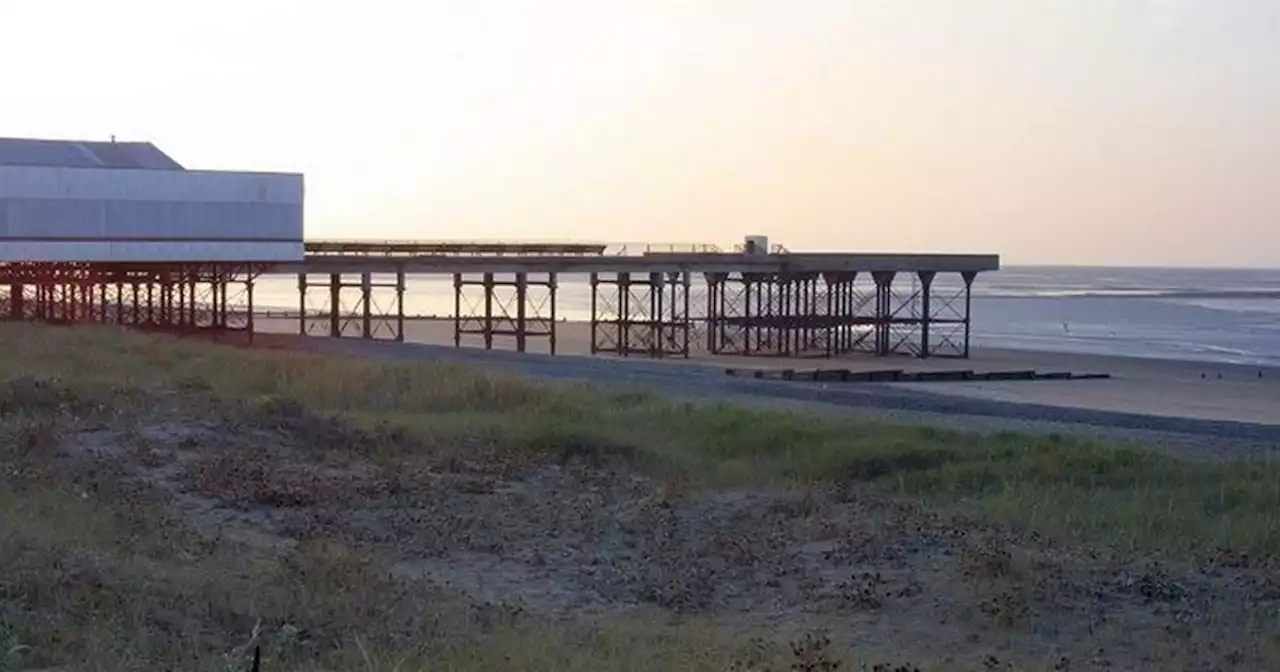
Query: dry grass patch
{"points": [[175, 505]]}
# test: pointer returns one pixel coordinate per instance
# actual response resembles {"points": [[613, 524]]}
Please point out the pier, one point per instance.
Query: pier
{"points": [[650, 301]]}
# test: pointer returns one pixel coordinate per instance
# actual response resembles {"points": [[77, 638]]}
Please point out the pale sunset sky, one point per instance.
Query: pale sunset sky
{"points": [[1131, 132]]}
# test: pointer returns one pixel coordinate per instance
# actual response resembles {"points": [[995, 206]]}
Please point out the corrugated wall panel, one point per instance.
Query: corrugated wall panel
{"points": [[143, 215], [151, 219], [272, 221], [149, 252], [71, 219], [149, 185]]}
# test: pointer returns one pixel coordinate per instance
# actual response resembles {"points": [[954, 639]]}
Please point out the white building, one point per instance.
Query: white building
{"points": [[64, 201]]}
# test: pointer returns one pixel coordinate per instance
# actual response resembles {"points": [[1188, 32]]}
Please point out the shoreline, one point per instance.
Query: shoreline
{"points": [[979, 353], [1200, 438], [1168, 389]]}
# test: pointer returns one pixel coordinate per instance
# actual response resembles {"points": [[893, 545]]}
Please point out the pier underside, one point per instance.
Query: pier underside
{"points": [[674, 313], [179, 297], [650, 305]]}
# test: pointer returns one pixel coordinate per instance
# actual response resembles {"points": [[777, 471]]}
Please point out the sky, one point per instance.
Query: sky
{"points": [[1111, 132]]}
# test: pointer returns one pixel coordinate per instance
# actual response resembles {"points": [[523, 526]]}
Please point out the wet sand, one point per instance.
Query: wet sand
{"points": [[1166, 388]]}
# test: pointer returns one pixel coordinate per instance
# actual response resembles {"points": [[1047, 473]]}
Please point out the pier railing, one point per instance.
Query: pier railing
{"points": [[421, 248]]}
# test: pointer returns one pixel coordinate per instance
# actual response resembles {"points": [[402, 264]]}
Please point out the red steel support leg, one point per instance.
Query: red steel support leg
{"points": [[191, 299], [181, 308], [16, 300]]}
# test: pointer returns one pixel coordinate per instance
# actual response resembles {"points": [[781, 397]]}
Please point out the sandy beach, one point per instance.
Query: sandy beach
{"points": [[1157, 387]]}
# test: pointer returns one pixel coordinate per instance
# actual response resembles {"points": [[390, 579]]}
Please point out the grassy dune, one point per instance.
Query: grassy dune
{"points": [[107, 572]]}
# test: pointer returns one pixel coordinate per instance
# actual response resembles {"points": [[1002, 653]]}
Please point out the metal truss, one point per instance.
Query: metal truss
{"points": [[833, 314], [519, 308], [368, 307], [787, 315], [948, 328], [641, 314], [178, 297]]}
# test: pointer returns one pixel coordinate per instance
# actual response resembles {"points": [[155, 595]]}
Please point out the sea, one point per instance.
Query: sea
{"points": [[1212, 315]]}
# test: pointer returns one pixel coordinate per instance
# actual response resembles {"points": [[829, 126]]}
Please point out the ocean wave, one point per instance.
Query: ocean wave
{"points": [[1181, 350]]}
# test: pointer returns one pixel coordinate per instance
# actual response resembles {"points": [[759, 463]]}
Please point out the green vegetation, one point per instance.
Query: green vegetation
{"points": [[1138, 500], [119, 581]]}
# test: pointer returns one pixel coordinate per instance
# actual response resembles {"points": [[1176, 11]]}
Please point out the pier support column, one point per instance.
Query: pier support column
{"points": [[968, 306], [884, 309], [16, 300], [302, 304], [366, 306], [136, 319], [624, 314], [488, 311], [653, 321], [400, 289], [926, 308], [192, 317], [248, 299], [687, 283], [715, 310], [595, 312], [457, 310], [522, 293], [553, 287], [335, 300]]}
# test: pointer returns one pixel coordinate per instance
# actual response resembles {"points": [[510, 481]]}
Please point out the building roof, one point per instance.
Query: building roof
{"points": [[82, 154]]}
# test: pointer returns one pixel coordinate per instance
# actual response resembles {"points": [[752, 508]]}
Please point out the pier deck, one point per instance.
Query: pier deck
{"points": [[645, 263]]}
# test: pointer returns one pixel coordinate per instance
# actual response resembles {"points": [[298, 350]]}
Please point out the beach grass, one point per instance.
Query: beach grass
{"points": [[124, 585], [1133, 498]]}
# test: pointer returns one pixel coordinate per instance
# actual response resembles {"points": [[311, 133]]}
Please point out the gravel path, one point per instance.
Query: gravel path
{"points": [[1205, 439]]}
